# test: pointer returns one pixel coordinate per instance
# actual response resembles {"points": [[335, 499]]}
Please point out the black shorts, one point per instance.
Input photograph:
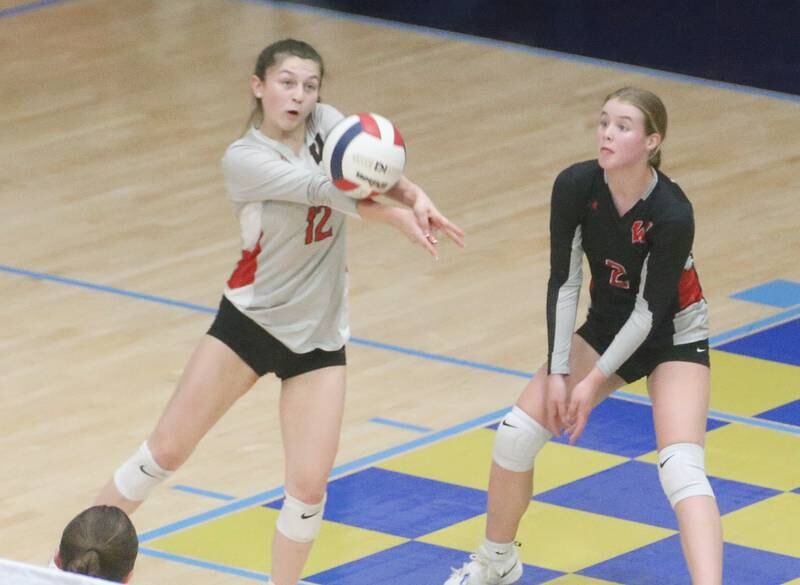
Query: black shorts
{"points": [[645, 359], [261, 351]]}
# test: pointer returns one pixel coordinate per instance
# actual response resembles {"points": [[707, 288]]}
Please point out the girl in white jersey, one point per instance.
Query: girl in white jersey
{"points": [[284, 307], [647, 317]]}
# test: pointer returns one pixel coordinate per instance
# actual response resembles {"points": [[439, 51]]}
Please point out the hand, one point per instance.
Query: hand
{"points": [[581, 402], [430, 220], [402, 219], [556, 391], [428, 217], [405, 221]]}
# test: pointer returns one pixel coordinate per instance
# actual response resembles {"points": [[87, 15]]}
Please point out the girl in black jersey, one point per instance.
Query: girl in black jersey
{"points": [[647, 318]]}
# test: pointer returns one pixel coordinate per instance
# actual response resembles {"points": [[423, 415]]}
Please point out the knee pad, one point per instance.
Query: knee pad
{"points": [[139, 475], [681, 469], [299, 521], [519, 438]]}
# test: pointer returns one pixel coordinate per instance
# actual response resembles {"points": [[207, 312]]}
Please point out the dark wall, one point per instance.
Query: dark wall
{"points": [[738, 41]]}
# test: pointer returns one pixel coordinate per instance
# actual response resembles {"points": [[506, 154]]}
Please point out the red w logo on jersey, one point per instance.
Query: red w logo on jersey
{"points": [[638, 231]]}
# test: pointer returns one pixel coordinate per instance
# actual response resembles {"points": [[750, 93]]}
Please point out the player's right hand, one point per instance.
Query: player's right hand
{"points": [[556, 389]]}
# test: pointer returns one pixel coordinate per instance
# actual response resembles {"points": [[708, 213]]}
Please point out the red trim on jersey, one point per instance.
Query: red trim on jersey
{"points": [[245, 271], [689, 290], [370, 125]]}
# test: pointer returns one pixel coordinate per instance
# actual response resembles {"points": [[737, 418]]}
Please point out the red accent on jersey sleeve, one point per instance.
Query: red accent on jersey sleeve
{"points": [[245, 271], [689, 290], [369, 125]]}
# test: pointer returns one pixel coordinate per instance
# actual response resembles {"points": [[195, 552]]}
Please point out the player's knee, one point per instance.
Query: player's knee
{"points": [[299, 521], [519, 438], [168, 451], [137, 477], [681, 469]]}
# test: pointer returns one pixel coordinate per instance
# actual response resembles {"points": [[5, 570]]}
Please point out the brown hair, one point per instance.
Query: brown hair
{"points": [[272, 54], [100, 542], [655, 114]]}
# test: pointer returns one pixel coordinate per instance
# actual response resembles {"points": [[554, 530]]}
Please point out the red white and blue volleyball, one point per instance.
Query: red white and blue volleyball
{"points": [[364, 155]]}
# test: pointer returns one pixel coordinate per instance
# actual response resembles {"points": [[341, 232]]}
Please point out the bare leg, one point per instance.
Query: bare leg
{"points": [[212, 381], [311, 419], [510, 492], [680, 393]]}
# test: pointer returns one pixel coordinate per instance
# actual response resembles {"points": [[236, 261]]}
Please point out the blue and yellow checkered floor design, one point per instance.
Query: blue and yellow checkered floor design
{"points": [[598, 514]]}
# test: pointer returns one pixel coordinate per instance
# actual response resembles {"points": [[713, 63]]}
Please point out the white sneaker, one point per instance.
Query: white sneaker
{"points": [[481, 570]]}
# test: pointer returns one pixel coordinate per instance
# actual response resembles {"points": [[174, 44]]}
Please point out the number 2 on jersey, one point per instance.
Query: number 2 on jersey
{"points": [[315, 226], [618, 276]]}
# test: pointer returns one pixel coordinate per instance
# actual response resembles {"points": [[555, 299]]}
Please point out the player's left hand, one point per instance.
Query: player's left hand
{"points": [[431, 221], [581, 402], [428, 217]]}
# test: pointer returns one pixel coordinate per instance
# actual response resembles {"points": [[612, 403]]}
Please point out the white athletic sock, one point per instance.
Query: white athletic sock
{"points": [[497, 551]]}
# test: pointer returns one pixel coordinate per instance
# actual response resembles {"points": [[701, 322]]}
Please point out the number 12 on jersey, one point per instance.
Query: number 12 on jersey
{"points": [[316, 222]]}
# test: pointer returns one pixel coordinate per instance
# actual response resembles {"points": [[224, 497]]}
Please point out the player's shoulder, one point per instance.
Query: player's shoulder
{"points": [[670, 199], [323, 119], [250, 146], [579, 177]]}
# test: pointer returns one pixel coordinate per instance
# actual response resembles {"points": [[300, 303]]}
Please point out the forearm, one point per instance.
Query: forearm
{"points": [[370, 210], [596, 377], [404, 192]]}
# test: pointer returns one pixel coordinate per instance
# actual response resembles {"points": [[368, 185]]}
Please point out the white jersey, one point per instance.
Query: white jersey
{"points": [[291, 278]]}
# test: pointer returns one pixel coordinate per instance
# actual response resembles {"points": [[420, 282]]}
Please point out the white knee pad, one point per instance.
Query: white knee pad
{"points": [[519, 438], [299, 521], [681, 469], [139, 475]]}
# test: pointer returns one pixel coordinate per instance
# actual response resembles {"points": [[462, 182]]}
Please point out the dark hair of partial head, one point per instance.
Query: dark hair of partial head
{"points": [[273, 54], [655, 114], [100, 542]]}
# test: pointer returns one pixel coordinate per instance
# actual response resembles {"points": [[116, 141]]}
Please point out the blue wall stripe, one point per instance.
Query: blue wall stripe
{"points": [[506, 45]]}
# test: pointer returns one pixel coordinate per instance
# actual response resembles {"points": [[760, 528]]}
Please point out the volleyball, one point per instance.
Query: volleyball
{"points": [[364, 155]]}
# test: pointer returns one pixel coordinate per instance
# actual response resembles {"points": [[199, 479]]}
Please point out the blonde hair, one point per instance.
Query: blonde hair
{"points": [[654, 111]]}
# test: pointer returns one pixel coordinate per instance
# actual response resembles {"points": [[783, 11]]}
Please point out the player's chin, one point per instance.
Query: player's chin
{"points": [[606, 160]]}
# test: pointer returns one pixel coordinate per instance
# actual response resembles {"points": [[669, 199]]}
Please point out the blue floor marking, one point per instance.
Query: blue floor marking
{"points": [[740, 332], [400, 425], [29, 7], [344, 469], [209, 565], [714, 341], [776, 293], [419, 442], [200, 492], [745, 330]]}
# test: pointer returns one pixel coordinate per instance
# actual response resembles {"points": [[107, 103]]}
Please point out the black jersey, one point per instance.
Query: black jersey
{"points": [[644, 288]]}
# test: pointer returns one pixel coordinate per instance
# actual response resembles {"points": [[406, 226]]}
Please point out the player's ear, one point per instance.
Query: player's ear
{"points": [[128, 577], [653, 142]]}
